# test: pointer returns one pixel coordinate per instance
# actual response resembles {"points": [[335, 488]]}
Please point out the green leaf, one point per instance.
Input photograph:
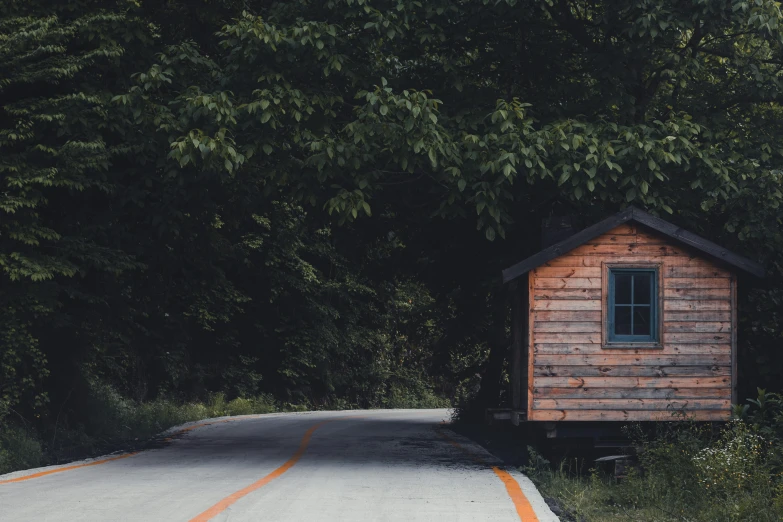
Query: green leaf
{"points": [[461, 184], [630, 195]]}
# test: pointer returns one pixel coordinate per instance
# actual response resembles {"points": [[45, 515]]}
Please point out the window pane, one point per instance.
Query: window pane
{"points": [[641, 289], [622, 289], [622, 320], [641, 320]]}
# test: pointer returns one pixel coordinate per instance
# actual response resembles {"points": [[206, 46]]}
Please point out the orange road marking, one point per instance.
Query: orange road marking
{"points": [[231, 499], [524, 509], [521, 503], [104, 461], [67, 468]]}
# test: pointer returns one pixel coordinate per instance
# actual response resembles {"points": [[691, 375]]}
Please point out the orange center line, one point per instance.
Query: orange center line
{"points": [[521, 503], [231, 499]]}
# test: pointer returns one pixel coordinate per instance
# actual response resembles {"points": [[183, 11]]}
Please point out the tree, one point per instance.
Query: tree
{"points": [[316, 198], [503, 108]]}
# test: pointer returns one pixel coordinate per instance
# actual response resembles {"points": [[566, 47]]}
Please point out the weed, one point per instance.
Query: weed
{"points": [[690, 473]]}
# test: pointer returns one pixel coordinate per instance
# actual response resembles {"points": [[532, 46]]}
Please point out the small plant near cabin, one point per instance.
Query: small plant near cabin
{"points": [[690, 471], [731, 462]]}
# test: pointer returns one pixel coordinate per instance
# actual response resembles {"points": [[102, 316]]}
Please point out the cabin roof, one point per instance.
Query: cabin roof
{"points": [[642, 217]]}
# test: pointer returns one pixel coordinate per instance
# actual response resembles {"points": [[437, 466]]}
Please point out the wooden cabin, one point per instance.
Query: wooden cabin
{"points": [[631, 319]]}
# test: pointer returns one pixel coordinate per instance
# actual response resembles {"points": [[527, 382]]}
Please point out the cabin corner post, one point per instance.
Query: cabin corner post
{"points": [[734, 391], [518, 328]]}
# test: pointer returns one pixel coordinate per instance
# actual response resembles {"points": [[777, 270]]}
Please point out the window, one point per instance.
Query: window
{"points": [[632, 315]]}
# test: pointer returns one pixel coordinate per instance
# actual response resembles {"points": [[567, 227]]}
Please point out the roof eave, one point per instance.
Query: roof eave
{"points": [[642, 217]]}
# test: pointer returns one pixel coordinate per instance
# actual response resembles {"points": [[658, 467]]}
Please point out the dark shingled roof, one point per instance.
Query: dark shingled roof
{"points": [[642, 217]]}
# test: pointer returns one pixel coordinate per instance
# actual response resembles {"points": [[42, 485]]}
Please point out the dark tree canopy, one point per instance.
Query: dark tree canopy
{"points": [[315, 198]]}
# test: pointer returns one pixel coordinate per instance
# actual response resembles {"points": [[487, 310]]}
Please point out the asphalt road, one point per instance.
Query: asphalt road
{"points": [[379, 465]]}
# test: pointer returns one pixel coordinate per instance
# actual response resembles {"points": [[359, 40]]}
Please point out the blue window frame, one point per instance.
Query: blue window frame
{"points": [[633, 305]]}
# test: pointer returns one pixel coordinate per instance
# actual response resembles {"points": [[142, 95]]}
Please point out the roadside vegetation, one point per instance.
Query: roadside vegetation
{"points": [[686, 472], [115, 423]]}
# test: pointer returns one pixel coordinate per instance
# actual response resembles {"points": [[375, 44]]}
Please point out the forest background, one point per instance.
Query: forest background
{"points": [[255, 204]]}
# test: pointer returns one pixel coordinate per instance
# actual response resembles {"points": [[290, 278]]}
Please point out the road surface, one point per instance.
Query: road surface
{"points": [[377, 465]]}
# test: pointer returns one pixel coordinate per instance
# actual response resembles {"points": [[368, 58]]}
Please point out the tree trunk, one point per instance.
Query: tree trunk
{"points": [[489, 393]]}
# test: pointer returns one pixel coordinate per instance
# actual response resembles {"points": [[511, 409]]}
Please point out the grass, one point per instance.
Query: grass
{"points": [[19, 449], [113, 423], [687, 473]]}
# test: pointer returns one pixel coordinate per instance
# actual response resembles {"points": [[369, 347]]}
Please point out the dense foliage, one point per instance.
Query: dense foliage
{"points": [[728, 473], [314, 199]]}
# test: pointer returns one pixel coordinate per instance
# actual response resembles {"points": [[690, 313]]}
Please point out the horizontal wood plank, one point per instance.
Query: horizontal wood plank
{"points": [[706, 294], [695, 271], [556, 326], [632, 382], [575, 261], [631, 404], [598, 349], [567, 315], [631, 371], [627, 239], [652, 359], [698, 315], [696, 282], [628, 250], [547, 271], [566, 304], [697, 337], [567, 338], [626, 415], [632, 393], [567, 293], [625, 228], [680, 305], [697, 326], [568, 282]]}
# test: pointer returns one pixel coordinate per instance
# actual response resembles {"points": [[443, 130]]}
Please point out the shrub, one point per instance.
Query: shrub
{"points": [[406, 396], [19, 449], [115, 421], [688, 472]]}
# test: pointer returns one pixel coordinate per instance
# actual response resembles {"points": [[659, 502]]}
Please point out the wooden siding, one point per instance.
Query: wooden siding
{"points": [[572, 376]]}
